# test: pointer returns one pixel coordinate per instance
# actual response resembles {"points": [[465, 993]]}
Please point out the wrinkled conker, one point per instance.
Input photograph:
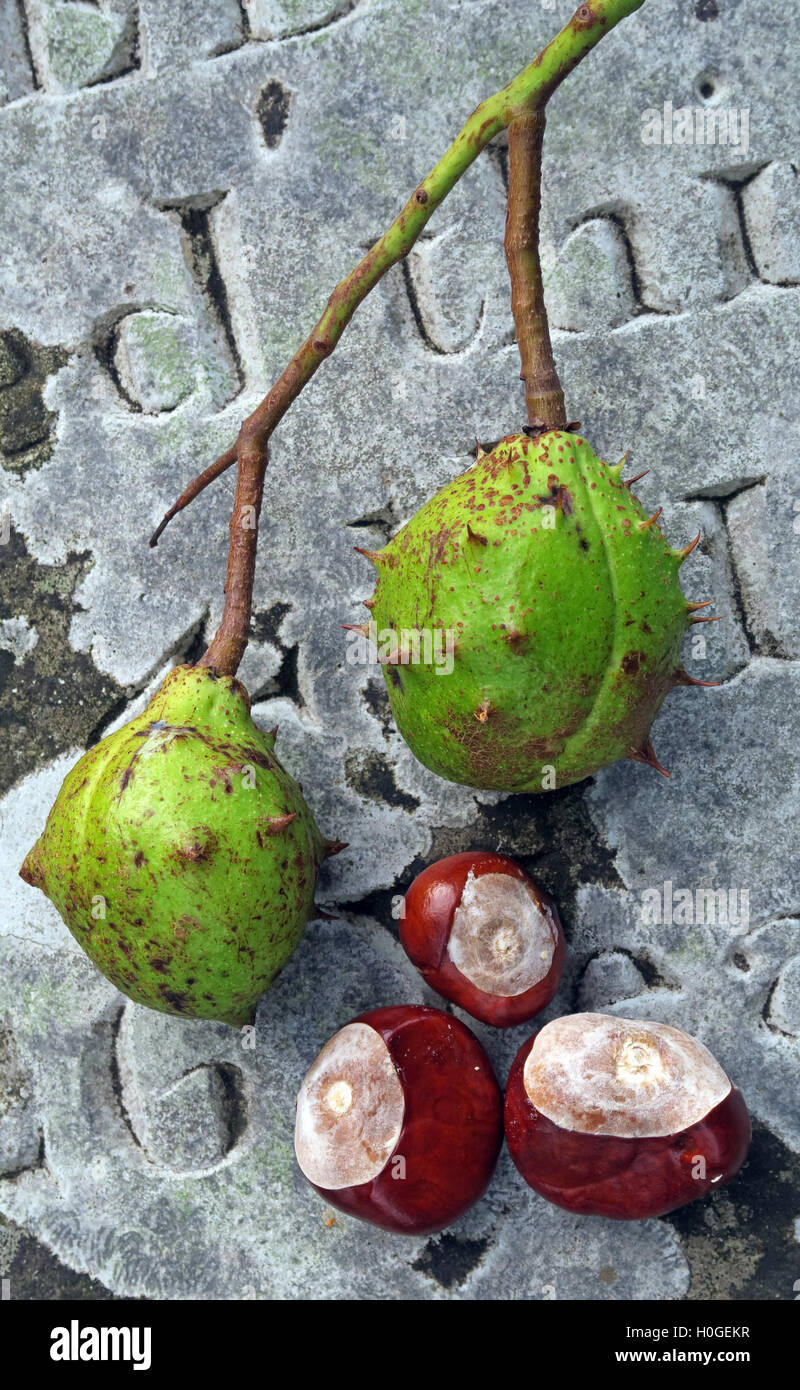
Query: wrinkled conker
{"points": [[485, 936], [399, 1119], [622, 1118]]}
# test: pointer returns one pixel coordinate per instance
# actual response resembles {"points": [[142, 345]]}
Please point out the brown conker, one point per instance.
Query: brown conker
{"points": [[399, 1119], [484, 936], [622, 1117]]}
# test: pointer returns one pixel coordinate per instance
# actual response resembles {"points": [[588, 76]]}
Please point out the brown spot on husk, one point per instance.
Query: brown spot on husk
{"points": [[176, 1001], [632, 661]]}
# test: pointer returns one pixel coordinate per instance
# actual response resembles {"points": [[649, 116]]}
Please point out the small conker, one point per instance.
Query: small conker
{"points": [[399, 1119], [622, 1118], [485, 936]]}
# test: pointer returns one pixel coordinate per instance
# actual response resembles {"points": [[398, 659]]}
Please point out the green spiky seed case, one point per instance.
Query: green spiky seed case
{"points": [[181, 855], [566, 613]]}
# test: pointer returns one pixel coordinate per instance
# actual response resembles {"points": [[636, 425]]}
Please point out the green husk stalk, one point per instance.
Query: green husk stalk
{"points": [[530, 705]]}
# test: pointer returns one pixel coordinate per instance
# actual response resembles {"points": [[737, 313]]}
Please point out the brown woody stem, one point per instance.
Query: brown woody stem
{"points": [[544, 398], [195, 487], [228, 646]]}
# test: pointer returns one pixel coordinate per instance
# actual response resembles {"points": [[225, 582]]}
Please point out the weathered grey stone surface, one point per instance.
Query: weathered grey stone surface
{"points": [[183, 185]]}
